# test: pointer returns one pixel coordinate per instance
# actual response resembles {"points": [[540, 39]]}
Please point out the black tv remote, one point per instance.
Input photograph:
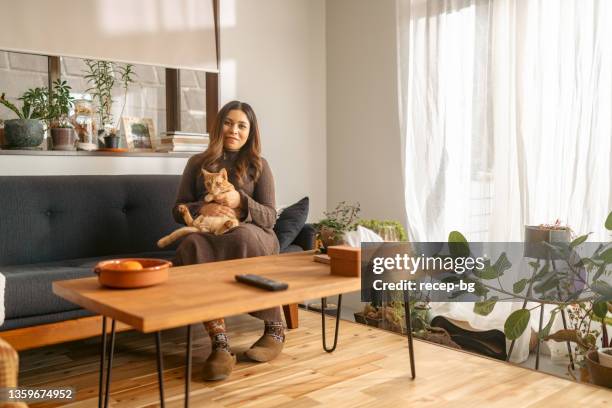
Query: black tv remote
{"points": [[261, 282]]}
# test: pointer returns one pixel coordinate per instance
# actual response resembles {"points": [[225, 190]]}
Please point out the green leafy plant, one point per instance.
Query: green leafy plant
{"points": [[60, 104], [35, 104], [587, 304], [101, 77], [337, 222], [39, 103], [379, 226]]}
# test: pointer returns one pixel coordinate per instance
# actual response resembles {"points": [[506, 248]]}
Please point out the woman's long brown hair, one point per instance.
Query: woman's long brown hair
{"points": [[249, 156]]}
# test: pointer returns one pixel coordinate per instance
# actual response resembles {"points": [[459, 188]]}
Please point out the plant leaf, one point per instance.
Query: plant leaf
{"points": [[458, 245], [546, 330], [519, 286], [579, 240], [606, 256], [599, 272], [567, 335], [609, 222], [485, 307], [600, 309], [516, 324], [604, 289]]}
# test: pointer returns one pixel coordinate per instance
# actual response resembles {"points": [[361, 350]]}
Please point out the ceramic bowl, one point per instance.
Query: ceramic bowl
{"points": [[114, 273]]}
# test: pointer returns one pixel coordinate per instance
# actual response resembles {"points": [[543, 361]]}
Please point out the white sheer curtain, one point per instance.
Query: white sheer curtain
{"points": [[506, 115], [506, 110]]}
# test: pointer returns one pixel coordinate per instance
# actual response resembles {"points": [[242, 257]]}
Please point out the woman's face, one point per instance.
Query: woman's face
{"points": [[236, 129]]}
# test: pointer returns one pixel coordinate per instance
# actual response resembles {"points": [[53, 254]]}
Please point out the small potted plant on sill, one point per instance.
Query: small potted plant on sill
{"points": [[331, 229], [28, 130], [62, 131], [101, 77]]}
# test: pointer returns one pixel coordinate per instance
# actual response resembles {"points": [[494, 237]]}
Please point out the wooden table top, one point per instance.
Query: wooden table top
{"points": [[208, 291]]}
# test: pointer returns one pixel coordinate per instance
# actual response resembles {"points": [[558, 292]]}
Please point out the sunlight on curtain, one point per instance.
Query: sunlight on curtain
{"points": [[506, 117], [506, 109]]}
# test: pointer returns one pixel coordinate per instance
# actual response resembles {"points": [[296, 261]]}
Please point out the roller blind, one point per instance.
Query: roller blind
{"points": [[170, 33]]}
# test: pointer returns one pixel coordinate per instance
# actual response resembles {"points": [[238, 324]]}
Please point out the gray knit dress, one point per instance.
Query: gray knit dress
{"points": [[254, 236]]}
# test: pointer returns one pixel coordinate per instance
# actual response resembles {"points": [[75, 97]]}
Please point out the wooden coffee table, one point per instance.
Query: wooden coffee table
{"points": [[198, 293]]}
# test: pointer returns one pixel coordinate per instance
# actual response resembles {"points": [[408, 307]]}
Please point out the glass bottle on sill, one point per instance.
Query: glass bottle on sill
{"points": [[84, 124]]}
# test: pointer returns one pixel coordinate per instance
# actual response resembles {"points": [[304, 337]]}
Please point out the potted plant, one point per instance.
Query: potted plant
{"points": [[62, 131], [331, 229], [586, 293], [101, 77], [28, 130]]}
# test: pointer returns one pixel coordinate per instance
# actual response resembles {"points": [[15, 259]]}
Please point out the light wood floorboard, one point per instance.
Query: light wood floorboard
{"points": [[369, 367]]}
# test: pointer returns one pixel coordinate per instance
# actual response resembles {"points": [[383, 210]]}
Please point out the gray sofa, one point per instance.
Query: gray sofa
{"points": [[59, 227]]}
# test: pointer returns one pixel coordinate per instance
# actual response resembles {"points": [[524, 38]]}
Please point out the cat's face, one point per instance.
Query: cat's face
{"points": [[215, 183]]}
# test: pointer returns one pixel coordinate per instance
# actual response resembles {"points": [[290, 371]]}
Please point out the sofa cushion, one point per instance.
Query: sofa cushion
{"points": [[53, 218], [290, 223], [28, 287]]}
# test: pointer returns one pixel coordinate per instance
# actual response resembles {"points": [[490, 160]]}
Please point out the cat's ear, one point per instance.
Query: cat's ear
{"points": [[205, 173], [223, 173]]}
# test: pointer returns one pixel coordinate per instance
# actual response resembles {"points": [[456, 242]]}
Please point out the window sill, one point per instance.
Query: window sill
{"points": [[94, 153]]}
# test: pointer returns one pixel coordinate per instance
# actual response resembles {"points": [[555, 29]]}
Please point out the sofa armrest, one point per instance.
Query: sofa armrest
{"points": [[306, 237]]}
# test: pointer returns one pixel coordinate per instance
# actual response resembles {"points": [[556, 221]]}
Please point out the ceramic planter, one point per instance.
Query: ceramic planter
{"points": [[111, 142], [605, 357], [600, 374], [535, 236], [63, 138], [23, 133]]}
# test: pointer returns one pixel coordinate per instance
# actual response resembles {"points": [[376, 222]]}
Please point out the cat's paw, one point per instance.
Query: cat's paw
{"points": [[209, 198], [182, 209]]}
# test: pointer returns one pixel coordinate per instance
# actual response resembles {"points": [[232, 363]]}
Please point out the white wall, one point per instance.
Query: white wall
{"points": [[273, 57], [363, 143]]}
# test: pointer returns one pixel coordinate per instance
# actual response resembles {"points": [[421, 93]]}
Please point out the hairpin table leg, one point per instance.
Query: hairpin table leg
{"points": [[102, 359], [323, 305], [110, 364], [188, 367], [409, 332], [160, 368]]}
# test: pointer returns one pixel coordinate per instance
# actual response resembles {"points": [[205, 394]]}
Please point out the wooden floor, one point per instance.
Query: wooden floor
{"points": [[369, 368]]}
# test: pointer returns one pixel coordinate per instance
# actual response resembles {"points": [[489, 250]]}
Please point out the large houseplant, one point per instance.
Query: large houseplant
{"points": [[28, 130], [102, 76], [587, 304]]}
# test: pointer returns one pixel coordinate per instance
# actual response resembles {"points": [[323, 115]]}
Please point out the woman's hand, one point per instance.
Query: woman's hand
{"points": [[231, 199], [215, 210]]}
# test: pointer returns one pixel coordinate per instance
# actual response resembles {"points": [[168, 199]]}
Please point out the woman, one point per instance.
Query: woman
{"points": [[235, 146]]}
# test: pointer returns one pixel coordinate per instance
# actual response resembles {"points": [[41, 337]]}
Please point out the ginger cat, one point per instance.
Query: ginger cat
{"points": [[216, 184]]}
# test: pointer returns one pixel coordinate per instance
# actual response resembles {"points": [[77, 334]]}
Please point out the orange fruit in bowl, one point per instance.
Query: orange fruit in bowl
{"points": [[130, 265]]}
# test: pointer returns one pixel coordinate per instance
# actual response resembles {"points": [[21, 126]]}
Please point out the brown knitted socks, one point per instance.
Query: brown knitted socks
{"points": [[218, 337], [276, 330]]}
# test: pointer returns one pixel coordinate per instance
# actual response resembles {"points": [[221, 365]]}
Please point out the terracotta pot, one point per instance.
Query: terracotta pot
{"points": [[114, 274], [600, 375], [328, 237]]}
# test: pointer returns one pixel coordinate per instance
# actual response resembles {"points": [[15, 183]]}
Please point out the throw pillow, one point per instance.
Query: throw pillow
{"points": [[290, 222]]}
